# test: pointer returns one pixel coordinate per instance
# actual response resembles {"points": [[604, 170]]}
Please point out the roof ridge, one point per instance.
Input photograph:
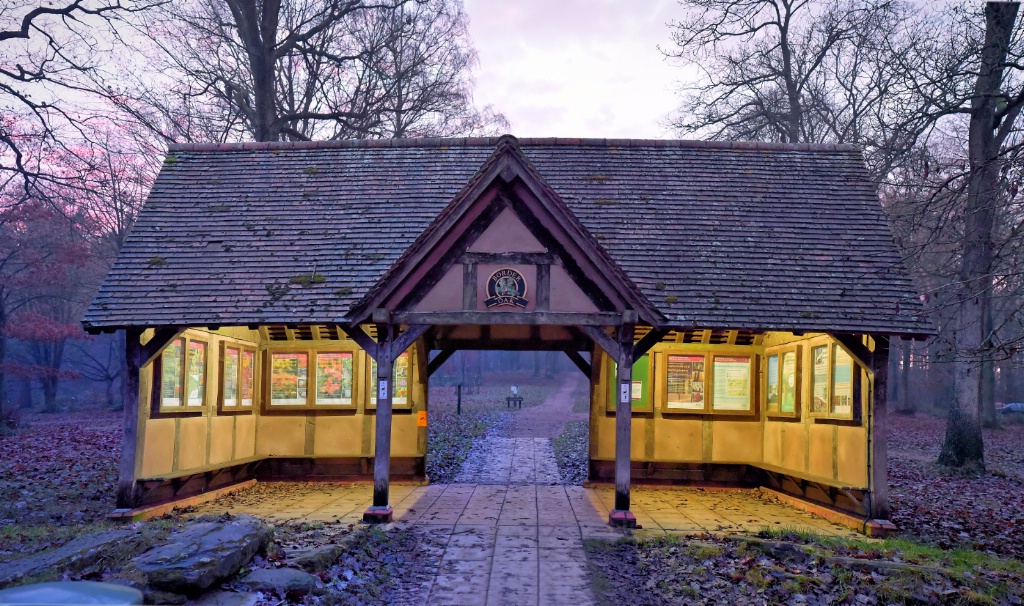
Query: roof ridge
{"points": [[493, 141]]}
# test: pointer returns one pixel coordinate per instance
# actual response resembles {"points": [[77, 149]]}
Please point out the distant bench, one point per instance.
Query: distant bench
{"points": [[515, 400]]}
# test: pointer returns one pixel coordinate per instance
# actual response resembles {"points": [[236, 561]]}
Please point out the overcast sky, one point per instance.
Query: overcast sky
{"points": [[576, 68]]}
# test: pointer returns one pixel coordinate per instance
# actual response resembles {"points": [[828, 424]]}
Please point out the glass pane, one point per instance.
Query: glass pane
{"points": [[401, 384], [789, 386], [400, 381], [171, 375], [819, 379], [732, 383], [248, 376], [288, 378], [196, 377], [334, 378], [772, 397], [842, 383], [231, 356], [685, 381]]}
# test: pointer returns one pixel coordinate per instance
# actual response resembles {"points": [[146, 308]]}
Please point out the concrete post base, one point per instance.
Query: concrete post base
{"points": [[378, 515], [622, 518]]}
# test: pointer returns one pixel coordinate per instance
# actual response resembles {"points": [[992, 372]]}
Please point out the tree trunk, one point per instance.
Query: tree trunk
{"points": [[3, 375], [49, 385], [909, 406], [963, 446], [987, 397]]}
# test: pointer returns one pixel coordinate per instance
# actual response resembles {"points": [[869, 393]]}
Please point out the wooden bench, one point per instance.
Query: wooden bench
{"points": [[515, 400]]}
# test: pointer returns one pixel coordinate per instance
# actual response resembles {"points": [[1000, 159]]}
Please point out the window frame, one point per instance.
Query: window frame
{"points": [[157, 406], [661, 374], [371, 382], [266, 378], [779, 352], [857, 375], [647, 404], [231, 409]]}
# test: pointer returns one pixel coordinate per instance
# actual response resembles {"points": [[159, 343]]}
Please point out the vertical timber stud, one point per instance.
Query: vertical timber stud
{"points": [[127, 488], [879, 480], [621, 515], [380, 512]]}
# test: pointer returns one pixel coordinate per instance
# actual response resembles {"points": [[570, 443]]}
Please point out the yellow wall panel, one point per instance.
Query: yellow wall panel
{"points": [[794, 447], [221, 440], [404, 436], [772, 446], [736, 442], [606, 438], [245, 436], [852, 453], [192, 442], [820, 441], [678, 440], [158, 448], [281, 436], [338, 436]]}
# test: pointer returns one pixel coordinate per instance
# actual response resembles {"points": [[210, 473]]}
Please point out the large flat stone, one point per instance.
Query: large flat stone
{"points": [[201, 555], [280, 580], [110, 547]]}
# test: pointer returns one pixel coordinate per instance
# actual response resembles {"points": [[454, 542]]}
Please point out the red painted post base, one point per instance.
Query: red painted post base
{"points": [[622, 518], [378, 515], [880, 528]]}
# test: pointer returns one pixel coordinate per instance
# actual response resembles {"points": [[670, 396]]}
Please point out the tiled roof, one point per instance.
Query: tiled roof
{"points": [[734, 235]]}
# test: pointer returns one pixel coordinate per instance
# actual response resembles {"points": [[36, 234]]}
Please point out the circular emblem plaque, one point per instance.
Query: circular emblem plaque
{"points": [[506, 287]]}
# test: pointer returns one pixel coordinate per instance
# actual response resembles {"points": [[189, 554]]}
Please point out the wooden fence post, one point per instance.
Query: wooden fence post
{"points": [[380, 511], [879, 481]]}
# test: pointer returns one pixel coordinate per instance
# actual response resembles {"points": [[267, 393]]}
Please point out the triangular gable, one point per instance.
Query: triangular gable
{"points": [[506, 218]]}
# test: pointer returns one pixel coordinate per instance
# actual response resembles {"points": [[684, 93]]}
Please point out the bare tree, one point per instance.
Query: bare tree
{"points": [[307, 69]]}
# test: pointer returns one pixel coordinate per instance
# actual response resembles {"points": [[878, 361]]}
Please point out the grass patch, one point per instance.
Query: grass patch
{"points": [[572, 450]]}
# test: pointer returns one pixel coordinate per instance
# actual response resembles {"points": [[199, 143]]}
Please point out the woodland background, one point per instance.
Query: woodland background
{"points": [[92, 91]]}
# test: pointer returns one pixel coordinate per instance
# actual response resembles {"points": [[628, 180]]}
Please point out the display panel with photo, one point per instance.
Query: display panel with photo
{"points": [[731, 375], [684, 378], [334, 378], [842, 383], [772, 384], [288, 376], [789, 387], [171, 375], [232, 359], [819, 379], [399, 382], [248, 377], [195, 379]]}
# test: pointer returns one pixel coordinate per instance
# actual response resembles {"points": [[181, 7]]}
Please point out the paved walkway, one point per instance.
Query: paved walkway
{"points": [[509, 533]]}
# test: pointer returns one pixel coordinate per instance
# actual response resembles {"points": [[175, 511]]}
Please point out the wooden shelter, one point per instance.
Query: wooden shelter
{"points": [[286, 303]]}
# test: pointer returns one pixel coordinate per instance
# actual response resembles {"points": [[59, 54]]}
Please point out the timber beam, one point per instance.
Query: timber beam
{"points": [[579, 361], [441, 357]]}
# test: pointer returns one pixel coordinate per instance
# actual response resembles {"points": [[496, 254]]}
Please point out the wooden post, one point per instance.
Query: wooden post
{"points": [[879, 480], [127, 488], [380, 511], [621, 516]]}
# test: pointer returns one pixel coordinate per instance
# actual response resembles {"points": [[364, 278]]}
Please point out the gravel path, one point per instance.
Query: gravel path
{"points": [[548, 420]]}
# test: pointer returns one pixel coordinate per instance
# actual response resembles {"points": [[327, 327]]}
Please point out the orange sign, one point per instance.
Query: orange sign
{"points": [[421, 418]]}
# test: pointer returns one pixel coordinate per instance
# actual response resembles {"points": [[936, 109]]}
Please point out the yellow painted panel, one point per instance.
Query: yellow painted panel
{"points": [[820, 455], [606, 438], [794, 446], [736, 441], [221, 441], [404, 435], [158, 448], [678, 440], [853, 457], [281, 436], [245, 436], [636, 439], [192, 443], [772, 446], [338, 436]]}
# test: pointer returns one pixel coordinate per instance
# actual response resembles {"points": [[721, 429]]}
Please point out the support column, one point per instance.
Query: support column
{"points": [[879, 481], [380, 511], [621, 516], [127, 487]]}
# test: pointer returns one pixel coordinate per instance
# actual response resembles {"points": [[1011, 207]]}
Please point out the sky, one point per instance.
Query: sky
{"points": [[576, 68]]}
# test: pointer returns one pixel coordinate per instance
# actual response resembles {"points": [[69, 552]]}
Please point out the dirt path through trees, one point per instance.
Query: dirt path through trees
{"points": [[548, 420]]}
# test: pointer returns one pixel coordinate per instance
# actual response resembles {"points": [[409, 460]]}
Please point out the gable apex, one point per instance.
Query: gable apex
{"points": [[505, 185]]}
